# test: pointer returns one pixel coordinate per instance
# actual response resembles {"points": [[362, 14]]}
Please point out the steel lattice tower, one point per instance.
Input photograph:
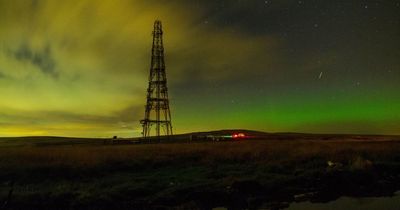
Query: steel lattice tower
{"points": [[157, 107]]}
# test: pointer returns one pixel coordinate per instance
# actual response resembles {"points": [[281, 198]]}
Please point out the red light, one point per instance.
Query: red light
{"points": [[238, 135]]}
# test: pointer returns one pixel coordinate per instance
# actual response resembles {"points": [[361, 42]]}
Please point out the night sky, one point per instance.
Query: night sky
{"points": [[80, 67]]}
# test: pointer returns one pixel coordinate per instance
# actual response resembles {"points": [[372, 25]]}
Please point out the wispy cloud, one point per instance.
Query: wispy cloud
{"points": [[43, 59]]}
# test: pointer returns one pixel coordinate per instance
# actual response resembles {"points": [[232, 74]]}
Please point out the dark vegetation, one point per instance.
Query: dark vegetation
{"points": [[240, 174]]}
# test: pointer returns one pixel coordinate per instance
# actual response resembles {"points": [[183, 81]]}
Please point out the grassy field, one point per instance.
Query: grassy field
{"points": [[237, 175]]}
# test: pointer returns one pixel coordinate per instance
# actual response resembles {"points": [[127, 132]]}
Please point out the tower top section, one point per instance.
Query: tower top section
{"points": [[157, 28]]}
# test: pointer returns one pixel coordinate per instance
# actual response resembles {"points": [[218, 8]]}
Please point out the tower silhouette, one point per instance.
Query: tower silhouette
{"points": [[157, 110]]}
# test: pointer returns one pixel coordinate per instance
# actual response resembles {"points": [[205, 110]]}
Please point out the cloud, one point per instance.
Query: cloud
{"points": [[124, 121], [43, 59], [99, 54]]}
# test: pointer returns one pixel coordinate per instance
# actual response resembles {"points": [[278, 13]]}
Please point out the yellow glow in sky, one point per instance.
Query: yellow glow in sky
{"points": [[79, 67]]}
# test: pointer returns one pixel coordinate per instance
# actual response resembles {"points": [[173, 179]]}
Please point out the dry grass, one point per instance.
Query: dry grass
{"points": [[267, 152], [96, 176]]}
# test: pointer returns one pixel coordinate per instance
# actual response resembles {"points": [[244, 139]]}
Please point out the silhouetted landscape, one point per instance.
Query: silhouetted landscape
{"points": [[270, 172]]}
